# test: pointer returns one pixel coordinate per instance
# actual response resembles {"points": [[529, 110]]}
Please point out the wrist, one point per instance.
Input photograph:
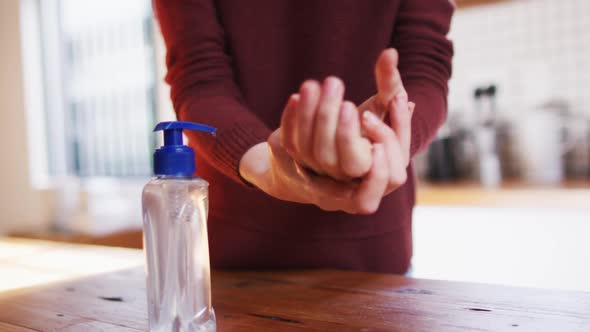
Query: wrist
{"points": [[254, 165]]}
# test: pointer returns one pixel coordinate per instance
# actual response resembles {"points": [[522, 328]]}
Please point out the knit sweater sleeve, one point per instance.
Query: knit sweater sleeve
{"points": [[203, 88], [425, 56]]}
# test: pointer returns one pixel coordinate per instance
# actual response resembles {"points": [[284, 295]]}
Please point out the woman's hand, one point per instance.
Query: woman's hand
{"points": [[269, 167], [322, 132], [275, 166]]}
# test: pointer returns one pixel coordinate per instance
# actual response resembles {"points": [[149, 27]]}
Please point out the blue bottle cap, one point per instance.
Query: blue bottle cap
{"points": [[174, 158]]}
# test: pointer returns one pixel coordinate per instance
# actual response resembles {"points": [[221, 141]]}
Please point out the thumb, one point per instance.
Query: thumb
{"points": [[389, 82]]}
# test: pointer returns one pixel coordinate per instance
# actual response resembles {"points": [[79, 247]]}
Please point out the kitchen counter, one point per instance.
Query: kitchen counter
{"points": [[49, 286], [511, 193]]}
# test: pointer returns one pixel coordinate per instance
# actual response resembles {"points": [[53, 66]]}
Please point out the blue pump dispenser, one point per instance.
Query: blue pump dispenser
{"points": [[175, 210], [174, 158]]}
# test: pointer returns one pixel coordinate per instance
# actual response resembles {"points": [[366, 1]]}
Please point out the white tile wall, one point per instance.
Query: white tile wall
{"points": [[534, 50]]}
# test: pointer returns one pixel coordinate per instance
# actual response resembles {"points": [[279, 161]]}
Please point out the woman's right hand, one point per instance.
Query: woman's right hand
{"points": [[270, 167]]}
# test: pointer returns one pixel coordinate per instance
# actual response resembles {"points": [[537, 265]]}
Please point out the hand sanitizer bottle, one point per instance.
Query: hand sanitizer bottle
{"points": [[175, 207]]}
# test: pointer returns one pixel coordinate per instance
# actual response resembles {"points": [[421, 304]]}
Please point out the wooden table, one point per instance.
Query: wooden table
{"points": [[47, 286]]}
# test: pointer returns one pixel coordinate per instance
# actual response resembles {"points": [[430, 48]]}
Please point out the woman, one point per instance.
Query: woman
{"points": [[310, 184]]}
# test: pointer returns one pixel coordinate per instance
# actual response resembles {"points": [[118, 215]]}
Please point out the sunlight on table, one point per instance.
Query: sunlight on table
{"points": [[25, 263]]}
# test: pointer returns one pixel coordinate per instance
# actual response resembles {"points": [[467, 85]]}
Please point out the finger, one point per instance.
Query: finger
{"points": [[380, 133], [288, 124], [400, 117], [387, 76], [306, 109], [324, 188], [368, 196], [376, 130], [309, 188], [326, 121], [354, 151]]}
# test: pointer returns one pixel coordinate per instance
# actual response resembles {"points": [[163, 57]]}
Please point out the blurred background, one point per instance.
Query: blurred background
{"points": [[504, 190]]}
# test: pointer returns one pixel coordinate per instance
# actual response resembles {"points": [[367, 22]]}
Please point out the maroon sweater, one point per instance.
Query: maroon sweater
{"points": [[233, 64]]}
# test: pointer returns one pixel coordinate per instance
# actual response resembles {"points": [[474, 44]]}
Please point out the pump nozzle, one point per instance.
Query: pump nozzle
{"points": [[174, 158]]}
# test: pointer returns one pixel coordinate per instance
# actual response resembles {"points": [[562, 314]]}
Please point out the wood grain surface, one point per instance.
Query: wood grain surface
{"points": [[318, 300]]}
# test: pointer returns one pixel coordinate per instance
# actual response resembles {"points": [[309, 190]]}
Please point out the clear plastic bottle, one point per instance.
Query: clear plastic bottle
{"points": [[175, 207]]}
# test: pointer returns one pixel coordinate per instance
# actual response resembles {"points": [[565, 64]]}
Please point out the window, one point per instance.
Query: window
{"points": [[90, 71], [99, 75]]}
